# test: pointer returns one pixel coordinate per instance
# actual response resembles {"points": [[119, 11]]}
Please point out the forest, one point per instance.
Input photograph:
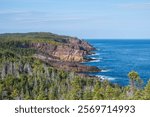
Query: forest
{"points": [[24, 77]]}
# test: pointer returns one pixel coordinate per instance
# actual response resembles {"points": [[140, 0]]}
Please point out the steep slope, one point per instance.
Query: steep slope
{"points": [[61, 52]]}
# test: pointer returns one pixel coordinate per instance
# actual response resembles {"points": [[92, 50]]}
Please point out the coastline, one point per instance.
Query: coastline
{"points": [[61, 52]]}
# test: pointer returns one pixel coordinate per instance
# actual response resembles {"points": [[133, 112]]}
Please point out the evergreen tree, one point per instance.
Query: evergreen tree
{"points": [[134, 77], [147, 91]]}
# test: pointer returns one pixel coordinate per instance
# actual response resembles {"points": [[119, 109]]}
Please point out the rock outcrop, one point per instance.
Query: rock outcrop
{"points": [[72, 50], [61, 52], [67, 66]]}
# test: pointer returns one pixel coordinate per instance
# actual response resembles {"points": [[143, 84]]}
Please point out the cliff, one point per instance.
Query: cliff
{"points": [[73, 49], [61, 52]]}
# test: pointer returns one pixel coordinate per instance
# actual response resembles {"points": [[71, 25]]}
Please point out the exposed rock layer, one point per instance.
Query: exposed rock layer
{"points": [[61, 52], [72, 50]]}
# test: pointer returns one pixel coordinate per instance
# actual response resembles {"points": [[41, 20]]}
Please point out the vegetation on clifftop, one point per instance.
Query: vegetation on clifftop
{"points": [[22, 76]]}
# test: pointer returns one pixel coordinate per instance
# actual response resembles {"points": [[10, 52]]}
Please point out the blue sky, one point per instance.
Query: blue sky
{"points": [[80, 18]]}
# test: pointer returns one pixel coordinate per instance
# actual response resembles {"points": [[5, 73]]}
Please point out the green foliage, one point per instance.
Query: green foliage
{"points": [[24, 77], [134, 79], [47, 83], [147, 91], [20, 45], [133, 75]]}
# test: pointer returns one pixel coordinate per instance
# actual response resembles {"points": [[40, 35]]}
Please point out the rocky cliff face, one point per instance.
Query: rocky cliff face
{"points": [[67, 66], [72, 50], [66, 55], [61, 52]]}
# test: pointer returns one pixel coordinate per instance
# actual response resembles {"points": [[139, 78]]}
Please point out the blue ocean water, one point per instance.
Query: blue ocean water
{"points": [[117, 58]]}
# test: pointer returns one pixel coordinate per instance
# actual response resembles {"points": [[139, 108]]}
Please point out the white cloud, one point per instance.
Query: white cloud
{"points": [[7, 12], [135, 5], [46, 19], [38, 16]]}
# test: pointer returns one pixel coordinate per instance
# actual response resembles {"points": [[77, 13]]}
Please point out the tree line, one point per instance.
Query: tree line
{"points": [[36, 80]]}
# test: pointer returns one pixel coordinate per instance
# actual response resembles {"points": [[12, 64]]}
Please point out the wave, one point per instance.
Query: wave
{"points": [[96, 60], [93, 58], [105, 77], [105, 70], [94, 55]]}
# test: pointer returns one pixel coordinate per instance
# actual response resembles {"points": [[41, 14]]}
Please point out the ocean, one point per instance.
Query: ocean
{"points": [[117, 58]]}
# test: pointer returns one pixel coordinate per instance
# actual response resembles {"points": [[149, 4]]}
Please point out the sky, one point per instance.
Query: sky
{"points": [[103, 19]]}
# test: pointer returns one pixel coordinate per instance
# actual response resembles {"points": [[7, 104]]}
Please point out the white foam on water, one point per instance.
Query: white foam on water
{"points": [[97, 60], [93, 58], [105, 70], [105, 77]]}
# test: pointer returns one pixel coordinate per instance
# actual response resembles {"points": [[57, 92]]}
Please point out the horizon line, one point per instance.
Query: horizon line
{"points": [[117, 38]]}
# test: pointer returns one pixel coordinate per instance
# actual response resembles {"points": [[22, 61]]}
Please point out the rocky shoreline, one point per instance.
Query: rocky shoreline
{"points": [[67, 55], [58, 51]]}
